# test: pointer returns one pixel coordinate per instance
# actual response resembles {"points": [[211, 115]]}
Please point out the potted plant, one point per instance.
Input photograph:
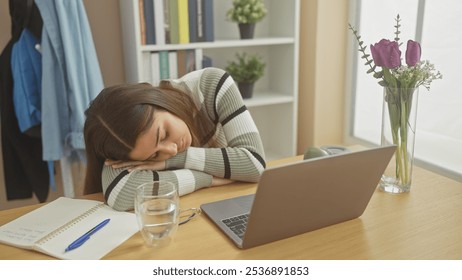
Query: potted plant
{"points": [[246, 70], [247, 13]]}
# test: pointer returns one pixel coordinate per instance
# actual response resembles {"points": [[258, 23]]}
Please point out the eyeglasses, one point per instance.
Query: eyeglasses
{"points": [[189, 214]]}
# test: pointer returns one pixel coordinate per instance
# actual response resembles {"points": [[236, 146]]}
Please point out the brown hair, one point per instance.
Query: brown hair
{"points": [[119, 114]]}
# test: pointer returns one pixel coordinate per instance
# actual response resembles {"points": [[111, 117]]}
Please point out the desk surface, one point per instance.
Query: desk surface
{"points": [[423, 224]]}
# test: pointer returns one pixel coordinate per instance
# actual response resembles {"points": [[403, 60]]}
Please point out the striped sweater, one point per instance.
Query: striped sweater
{"points": [[240, 155]]}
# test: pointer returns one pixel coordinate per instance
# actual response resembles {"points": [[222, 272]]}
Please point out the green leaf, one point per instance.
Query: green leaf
{"points": [[378, 75], [246, 68], [247, 11]]}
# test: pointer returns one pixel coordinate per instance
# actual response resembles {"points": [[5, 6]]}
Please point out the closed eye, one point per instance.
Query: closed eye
{"points": [[156, 154], [151, 157], [165, 136]]}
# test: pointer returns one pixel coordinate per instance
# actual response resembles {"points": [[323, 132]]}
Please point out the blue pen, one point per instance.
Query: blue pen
{"points": [[86, 236]]}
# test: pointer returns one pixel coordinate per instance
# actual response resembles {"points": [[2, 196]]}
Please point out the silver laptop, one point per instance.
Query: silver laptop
{"points": [[301, 197]]}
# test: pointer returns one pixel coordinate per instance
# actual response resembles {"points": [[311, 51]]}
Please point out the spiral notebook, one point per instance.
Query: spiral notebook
{"points": [[52, 227]]}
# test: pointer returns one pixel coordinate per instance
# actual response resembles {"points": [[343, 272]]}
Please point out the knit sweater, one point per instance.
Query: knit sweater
{"points": [[239, 157]]}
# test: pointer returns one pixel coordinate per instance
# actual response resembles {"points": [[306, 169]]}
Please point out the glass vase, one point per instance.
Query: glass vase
{"points": [[399, 116]]}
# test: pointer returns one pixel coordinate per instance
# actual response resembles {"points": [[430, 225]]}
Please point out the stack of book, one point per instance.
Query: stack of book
{"points": [[176, 21], [173, 64]]}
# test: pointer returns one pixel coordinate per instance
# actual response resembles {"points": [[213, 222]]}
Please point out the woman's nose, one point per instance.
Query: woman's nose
{"points": [[170, 149]]}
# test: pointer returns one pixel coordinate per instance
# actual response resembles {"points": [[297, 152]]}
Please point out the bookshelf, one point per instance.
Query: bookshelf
{"points": [[274, 102]]}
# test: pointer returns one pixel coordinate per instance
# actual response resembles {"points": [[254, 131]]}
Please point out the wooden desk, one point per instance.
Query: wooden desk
{"points": [[423, 224]]}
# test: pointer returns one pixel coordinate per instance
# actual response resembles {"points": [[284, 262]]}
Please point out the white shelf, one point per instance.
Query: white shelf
{"points": [[265, 99], [220, 44], [275, 99]]}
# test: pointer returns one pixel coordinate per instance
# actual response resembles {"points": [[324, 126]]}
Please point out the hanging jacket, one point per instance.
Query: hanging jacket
{"points": [[25, 172], [71, 76], [26, 64]]}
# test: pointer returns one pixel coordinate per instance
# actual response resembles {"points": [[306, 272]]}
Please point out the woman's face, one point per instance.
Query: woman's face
{"points": [[167, 136]]}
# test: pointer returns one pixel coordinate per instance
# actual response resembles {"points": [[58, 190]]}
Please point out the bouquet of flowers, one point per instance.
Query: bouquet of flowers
{"points": [[400, 83], [387, 55]]}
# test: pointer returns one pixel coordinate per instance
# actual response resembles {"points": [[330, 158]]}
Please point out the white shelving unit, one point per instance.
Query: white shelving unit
{"points": [[274, 102]]}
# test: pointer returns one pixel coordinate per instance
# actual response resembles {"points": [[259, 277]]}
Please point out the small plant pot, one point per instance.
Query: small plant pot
{"points": [[246, 89], [246, 30]]}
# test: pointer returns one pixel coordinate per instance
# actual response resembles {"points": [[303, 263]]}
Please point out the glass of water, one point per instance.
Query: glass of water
{"points": [[157, 211]]}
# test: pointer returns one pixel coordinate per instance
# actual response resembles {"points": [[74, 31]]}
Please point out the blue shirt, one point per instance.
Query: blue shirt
{"points": [[71, 75], [26, 66]]}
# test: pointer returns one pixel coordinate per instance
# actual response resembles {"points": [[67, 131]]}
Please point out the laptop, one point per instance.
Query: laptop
{"points": [[302, 196]]}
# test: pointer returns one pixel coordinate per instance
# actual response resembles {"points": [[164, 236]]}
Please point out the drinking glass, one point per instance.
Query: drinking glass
{"points": [[157, 211]]}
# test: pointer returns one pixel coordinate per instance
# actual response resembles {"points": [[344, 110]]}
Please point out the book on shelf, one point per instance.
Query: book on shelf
{"points": [[199, 22], [51, 228], [142, 22], [188, 61], [147, 72], [207, 21], [198, 57], [162, 65], [148, 16], [176, 21], [181, 62], [173, 64], [192, 12], [155, 68], [159, 22], [173, 21], [204, 21], [183, 22], [164, 71], [206, 61], [166, 8]]}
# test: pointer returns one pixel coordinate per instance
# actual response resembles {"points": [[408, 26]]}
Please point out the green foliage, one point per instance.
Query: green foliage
{"points": [[247, 11], [246, 68], [365, 56]]}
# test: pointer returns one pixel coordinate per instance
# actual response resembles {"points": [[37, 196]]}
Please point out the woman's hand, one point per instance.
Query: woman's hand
{"points": [[136, 165], [220, 181]]}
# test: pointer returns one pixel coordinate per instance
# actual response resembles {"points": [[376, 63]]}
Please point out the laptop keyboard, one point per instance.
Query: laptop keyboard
{"points": [[237, 224]]}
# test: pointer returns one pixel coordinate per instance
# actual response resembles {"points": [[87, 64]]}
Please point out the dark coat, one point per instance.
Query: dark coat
{"points": [[24, 170]]}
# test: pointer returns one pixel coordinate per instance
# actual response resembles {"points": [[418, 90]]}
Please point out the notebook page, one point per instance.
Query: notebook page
{"points": [[31, 227], [121, 227]]}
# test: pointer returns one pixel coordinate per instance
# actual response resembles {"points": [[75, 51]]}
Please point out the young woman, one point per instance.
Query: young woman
{"points": [[194, 131]]}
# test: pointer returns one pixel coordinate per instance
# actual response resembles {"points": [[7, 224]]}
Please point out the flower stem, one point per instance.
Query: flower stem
{"points": [[399, 106]]}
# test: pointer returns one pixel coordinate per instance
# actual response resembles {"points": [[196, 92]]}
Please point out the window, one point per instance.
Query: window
{"points": [[438, 143]]}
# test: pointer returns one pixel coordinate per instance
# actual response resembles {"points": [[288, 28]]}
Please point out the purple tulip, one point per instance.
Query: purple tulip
{"points": [[413, 53], [386, 54]]}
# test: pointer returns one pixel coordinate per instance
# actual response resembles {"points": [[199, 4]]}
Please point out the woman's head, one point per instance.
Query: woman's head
{"points": [[167, 136], [138, 122]]}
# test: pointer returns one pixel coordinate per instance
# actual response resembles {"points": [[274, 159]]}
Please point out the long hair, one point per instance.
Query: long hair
{"points": [[119, 114]]}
